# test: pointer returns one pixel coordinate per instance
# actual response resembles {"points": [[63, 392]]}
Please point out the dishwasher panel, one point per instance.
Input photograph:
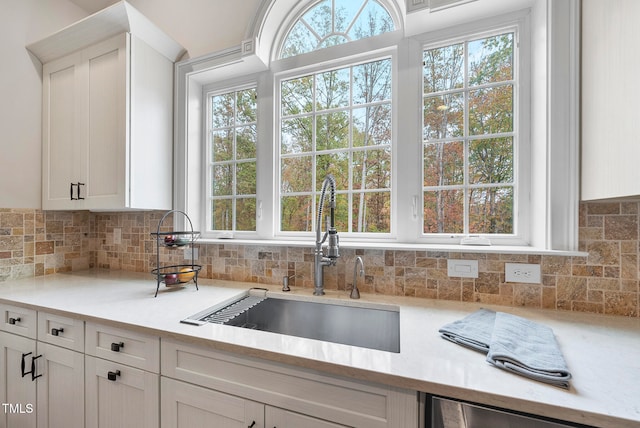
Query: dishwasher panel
{"points": [[447, 413]]}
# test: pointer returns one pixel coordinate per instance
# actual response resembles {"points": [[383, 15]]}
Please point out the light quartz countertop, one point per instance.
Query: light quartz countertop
{"points": [[602, 352]]}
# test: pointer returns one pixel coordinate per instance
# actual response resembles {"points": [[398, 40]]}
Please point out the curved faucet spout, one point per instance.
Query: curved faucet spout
{"points": [[355, 293], [333, 247]]}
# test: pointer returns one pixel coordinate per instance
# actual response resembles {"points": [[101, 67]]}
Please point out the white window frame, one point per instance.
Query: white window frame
{"points": [[519, 25], [209, 92], [553, 126]]}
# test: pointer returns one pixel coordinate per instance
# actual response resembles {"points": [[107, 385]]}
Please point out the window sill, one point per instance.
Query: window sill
{"points": [[481, 249]]}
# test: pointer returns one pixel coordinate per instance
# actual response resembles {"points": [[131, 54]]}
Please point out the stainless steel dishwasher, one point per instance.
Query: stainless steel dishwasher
{"points": [[448, 413]]}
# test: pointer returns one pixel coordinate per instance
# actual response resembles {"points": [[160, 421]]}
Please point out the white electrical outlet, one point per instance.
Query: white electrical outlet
{"points": [[462, 268], [522, 272]]}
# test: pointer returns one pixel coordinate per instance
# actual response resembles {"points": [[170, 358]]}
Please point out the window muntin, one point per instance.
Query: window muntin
{"points": [[337, 121], [334, 22], [232, 142], [469, 137]]}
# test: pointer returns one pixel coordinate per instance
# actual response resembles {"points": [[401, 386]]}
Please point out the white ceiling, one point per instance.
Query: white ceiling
{"points": [[92, 6]]}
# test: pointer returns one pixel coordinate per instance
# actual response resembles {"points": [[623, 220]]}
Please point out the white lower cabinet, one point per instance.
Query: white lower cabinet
{"points": [[122, 378], [190, 406], [60, 387], [41, 384], [119, 396], [290, 397], [17, 392]]}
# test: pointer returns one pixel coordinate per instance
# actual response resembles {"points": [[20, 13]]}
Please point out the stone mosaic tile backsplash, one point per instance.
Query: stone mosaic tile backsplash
{"points": [[34, 243]]}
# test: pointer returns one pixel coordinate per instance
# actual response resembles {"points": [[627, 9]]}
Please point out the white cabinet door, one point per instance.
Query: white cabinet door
{"points": [[105, 117], [17, 391], [280, 418], [119, 396], [60, 387], [189, 406], [62, 133]]}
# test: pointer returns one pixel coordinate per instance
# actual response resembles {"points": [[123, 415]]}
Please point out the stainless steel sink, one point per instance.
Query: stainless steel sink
{"points": [[363, 326]]}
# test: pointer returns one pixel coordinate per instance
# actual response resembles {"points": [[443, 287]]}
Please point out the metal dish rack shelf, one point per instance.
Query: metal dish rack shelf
{"points": [[180, 274]]}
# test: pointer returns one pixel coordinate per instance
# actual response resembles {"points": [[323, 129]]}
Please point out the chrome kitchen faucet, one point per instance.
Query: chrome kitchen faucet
{"points": [[333, 248]]}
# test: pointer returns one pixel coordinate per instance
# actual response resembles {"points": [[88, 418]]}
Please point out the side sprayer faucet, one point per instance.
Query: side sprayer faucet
{"points": [[355, 293], [333, 247]]}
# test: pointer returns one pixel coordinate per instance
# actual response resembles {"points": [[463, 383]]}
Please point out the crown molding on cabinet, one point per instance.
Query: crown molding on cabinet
{"points": [[118, 18]]}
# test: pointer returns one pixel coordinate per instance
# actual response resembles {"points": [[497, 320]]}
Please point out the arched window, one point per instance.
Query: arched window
{"points": [[334, 22]]}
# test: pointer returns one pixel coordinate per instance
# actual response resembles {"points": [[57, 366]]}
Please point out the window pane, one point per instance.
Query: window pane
{"points": [[491, 161], [443, 116], [372, 82], [299, 40], [372, 125], [444, 211], [246, 214], [491, 59], [443, 68], [297, 96], [246, 142], [332, 89], [443, 164], [296, 213], [222, 145], [372, 169], [222, 180], [296, 174], [336, 164], [246, 106], [246, 178], [320, 18], [296, 135], [491, 110], [222, 214], [332, 131], [491, 210], [373, 20], [222, 110], [371, 212]]}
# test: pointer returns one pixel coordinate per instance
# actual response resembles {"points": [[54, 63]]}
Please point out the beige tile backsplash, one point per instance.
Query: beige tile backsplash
{"points": [[34, 243]]}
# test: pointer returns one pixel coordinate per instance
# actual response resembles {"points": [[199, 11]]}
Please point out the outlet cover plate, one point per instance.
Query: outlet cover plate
{"points": [[462, 268], [522, 272]]}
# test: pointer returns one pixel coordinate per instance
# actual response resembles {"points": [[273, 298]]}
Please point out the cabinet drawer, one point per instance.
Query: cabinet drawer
{"points": [[61, 331], [123, 346], [343, 401], [18, 320]]}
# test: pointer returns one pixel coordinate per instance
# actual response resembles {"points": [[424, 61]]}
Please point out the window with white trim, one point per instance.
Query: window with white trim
{"points": [[469, 136], [231, 171], [458, 141]]}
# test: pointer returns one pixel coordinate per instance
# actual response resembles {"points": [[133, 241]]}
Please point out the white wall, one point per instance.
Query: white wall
{"points": [[21, 22], [201, 26]]}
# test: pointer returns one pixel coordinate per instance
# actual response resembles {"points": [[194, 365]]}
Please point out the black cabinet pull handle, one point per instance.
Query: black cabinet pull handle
{"points": [[112, 376], [80, 184], [71, 186], [252, 424], [13, 321], [56, 331], [33, 368], [115, 347], [23, 364]]}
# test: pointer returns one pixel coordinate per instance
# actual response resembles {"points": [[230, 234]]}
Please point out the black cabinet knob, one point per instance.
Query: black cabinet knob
{"points": [[116, 347], [56, 331], [112, 376], [13, 321]]}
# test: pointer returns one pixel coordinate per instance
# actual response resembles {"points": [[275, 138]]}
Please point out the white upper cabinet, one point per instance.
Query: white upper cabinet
{"points": [[610, 93], [108, 113]]}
